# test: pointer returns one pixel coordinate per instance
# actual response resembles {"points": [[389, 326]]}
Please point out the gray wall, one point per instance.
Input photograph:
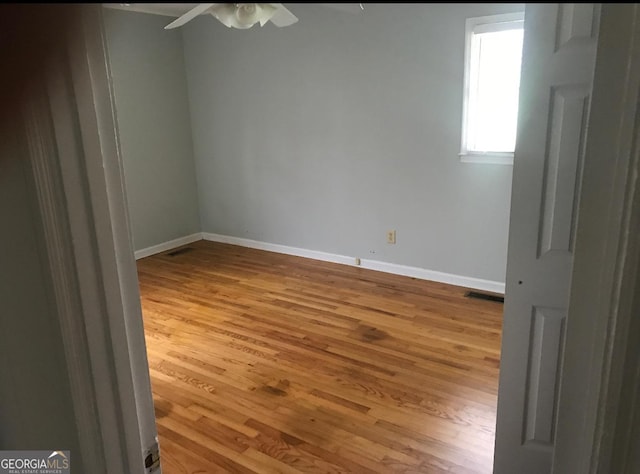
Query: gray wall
{"points": [[154, 124], [326, 134]]}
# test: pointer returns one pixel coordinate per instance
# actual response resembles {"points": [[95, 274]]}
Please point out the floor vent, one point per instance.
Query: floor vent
{"points": [[484, 296], [180, 251]]}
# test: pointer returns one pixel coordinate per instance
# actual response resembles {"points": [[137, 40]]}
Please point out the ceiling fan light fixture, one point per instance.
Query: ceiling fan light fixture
{"points": [[239, 15], [243, 15]]}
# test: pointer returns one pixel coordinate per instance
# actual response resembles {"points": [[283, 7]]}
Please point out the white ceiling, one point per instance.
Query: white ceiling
{"points": [[166, 9], [178, 9]]}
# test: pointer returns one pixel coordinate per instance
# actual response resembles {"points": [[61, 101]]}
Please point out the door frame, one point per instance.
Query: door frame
{"points": [[603, 281], [93, 86], [71, 142]]}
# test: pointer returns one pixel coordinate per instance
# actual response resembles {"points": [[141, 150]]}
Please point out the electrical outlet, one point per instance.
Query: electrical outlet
{"points": [[391, 237]]}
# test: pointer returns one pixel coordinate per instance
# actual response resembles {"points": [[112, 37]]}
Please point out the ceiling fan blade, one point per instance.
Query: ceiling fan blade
{"points": [[190, 15], [282, 16]]}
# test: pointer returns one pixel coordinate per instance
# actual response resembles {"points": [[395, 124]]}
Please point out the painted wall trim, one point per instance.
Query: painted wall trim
{"points": [[298, 252], [44, 142], [433, 275], [171, 244], [421, 273]]}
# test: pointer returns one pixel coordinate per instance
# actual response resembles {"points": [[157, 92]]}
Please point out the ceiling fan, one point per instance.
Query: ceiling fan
{"points": [[240, 15]]}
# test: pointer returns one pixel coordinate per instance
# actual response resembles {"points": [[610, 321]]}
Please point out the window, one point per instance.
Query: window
{"points": [[493, 54]]}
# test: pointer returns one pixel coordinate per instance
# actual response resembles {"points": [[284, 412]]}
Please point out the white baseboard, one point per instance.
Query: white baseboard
{"points": [[298, 252], [421, 273], [432, 275], [172, 244]]}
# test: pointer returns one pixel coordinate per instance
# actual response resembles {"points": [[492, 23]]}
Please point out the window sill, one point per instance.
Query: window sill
{"points": [[496, 158]]}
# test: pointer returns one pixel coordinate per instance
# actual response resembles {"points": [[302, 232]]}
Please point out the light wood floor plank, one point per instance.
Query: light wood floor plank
{"points": [[266, 363]]}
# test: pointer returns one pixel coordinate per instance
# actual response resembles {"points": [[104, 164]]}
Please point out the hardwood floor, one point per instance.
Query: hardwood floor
{"points": [[263, 363]]}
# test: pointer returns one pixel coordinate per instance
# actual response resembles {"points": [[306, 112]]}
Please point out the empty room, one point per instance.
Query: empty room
{"points": [[320, 238], [320, 204]]}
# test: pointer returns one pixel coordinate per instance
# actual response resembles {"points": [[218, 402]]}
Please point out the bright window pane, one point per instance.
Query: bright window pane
{"points": [[493, 94]]}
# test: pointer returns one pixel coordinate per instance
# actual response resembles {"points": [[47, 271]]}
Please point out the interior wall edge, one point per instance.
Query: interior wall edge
{"points": [[415, 272], [169, 245]]}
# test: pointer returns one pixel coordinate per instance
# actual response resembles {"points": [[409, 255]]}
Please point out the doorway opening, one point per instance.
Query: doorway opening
{"points": [[260, 360]]}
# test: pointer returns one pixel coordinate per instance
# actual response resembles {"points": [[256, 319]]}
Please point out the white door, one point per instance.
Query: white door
{"points": [[557, 71]]}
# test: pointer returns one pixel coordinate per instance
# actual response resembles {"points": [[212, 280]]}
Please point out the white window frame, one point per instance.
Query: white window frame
{"points": [[484, 24]]}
